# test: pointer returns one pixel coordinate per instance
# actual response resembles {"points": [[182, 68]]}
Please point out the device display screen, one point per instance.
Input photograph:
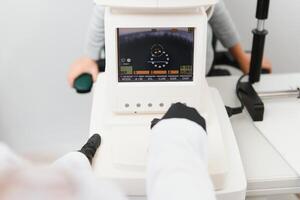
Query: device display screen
{"points": [[155, 54]]}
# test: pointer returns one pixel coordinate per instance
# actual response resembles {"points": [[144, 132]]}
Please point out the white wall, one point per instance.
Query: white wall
{"points": [[39, 39]]}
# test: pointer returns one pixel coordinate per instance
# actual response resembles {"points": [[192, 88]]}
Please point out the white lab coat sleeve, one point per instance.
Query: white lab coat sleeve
{"points": [[8, 159], [73, 161], [77, 165], [177, 162]]}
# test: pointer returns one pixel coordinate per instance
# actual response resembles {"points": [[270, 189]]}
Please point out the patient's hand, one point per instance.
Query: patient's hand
{"points": [[80, 66], [244, 59], [245, 64]]}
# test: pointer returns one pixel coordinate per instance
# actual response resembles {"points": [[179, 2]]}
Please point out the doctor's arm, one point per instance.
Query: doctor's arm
{"points": [[93, 46], [225, 30], [177, 162]]}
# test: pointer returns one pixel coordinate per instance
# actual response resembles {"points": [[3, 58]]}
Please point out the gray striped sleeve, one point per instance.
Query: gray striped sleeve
{"points": [[223, 26], [95, 37]]}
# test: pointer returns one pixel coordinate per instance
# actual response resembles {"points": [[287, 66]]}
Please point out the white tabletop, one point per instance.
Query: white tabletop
{"points": [[267, 172]]}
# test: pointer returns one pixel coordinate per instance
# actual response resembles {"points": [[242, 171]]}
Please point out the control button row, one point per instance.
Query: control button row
{"points": [[138, 105]]}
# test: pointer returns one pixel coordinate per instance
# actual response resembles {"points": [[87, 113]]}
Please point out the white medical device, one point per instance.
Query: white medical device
{"points": [[155, 56]]}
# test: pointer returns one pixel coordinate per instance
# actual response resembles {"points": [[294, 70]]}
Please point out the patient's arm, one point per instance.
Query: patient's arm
{"points": [[244, 59], [93, 46]]}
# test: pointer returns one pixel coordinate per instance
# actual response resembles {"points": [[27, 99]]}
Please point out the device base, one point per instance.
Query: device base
{"points": [[127, 166], [250, 99]]}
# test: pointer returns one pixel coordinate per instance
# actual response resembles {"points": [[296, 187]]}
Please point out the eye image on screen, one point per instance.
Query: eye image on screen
{"points": [[155, 54]]}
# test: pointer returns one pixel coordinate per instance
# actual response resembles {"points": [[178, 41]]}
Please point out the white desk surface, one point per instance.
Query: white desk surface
{"points": [[267, 172]]}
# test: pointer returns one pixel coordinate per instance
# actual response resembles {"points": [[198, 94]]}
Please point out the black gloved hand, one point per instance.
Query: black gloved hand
{"points": [[182, 111], [90, 148]]}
